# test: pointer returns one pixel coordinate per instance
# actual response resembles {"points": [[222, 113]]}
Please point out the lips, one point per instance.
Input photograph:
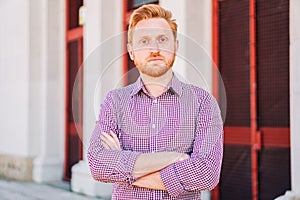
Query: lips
{"points": [[156, 59]]}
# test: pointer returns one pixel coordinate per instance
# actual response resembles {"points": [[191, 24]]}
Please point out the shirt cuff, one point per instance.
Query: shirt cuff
{"points": [[128, 162], [171, 181]]}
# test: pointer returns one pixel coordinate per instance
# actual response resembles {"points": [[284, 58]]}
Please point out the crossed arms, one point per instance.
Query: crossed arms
{"points": [[148, 165]]}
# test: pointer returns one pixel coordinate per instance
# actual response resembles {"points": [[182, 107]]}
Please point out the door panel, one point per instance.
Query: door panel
{"points": [[234, 69], [273, 97], [271, 161], [73, 115]]}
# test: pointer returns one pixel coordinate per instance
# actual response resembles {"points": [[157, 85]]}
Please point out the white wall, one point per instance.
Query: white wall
{"points": [[14, 77], [47, 81], [295, 93], [32, 84]]}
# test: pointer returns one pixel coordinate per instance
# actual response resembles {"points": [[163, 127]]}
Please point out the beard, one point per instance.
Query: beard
{"points": [[156, 69]]}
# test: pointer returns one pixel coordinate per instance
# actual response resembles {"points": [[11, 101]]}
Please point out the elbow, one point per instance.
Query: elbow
{"points": [[207, 181], [96, 168], [213, 180], [212, 184]]}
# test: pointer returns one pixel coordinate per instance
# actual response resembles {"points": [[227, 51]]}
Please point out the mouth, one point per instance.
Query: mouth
{"points": [[155, 60]]}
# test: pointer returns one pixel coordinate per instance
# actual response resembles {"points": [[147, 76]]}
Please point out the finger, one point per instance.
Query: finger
{"points": [[184, 157], [108, 145], [104, 142], [105, 145], [113, 141], [116, 139], [107, 137], [109, 141]]}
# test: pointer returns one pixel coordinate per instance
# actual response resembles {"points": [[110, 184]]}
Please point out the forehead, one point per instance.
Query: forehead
{"points": [[152, 27], [158, 23]]}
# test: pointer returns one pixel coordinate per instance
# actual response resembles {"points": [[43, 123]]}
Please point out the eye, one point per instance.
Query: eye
{"points": [[163, 39], [144, 41]]}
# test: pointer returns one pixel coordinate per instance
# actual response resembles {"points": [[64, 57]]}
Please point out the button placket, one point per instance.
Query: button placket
{"points": [[154, 125]]}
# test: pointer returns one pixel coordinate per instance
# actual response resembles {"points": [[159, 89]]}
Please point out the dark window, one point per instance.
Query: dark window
{"points": [[73, 14], [273, 63], [234, 60], [132, 4]]}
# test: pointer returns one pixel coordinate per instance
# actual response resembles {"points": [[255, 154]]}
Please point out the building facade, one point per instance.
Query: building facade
{"points": [[57, 58]]}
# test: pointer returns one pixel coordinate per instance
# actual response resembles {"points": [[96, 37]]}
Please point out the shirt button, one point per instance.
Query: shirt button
{"points": [[153, 126], [155, 101]]}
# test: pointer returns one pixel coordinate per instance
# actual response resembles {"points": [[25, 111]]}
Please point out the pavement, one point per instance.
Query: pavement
{"points": [[14, 190]]}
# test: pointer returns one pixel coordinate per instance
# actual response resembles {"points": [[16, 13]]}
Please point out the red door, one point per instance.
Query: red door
{"points": [[251, 48], [73, 114]]}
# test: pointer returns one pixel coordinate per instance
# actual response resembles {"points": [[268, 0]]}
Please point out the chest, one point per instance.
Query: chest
{"points": [[158, 125]]}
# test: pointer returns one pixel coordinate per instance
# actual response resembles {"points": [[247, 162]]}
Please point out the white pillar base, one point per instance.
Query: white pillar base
{"points": [[47, 169], [206, 195], [289, 195], [83, 182]]}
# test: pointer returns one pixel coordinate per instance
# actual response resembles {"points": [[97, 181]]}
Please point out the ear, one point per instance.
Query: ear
{"points": [[176, 46], [130, 51]]}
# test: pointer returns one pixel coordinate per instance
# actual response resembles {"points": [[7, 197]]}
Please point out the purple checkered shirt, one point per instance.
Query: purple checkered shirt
{"points": [[184, 119]]}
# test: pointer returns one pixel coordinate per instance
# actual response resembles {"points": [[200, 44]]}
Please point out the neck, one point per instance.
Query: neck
{"points": [[157, 85]]}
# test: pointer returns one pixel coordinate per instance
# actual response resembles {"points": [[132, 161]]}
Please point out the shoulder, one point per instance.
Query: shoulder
{"points": [[198, 93], [206, 101], [122, 93]]}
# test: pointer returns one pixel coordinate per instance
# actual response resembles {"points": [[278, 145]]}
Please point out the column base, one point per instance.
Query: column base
{"points": [[206, 195], [16, 167], [82, 182], [47, 169], [289, 195]]}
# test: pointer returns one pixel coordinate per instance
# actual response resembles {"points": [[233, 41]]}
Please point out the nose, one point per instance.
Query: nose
{"points": [[154, 48]]}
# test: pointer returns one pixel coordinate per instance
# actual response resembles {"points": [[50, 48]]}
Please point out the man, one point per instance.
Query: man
{"points": [[157, 138]]}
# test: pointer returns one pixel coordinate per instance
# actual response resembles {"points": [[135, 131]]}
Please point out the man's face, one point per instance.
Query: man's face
{"points": [[153, 48]]}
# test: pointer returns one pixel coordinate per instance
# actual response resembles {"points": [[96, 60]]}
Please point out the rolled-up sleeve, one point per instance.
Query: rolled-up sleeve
{"points": [[202, 170], [109, 165]]}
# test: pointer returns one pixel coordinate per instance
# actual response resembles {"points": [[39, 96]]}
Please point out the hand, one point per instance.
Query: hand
{"points": [[151, 181], [110, 141], [183, 157]]}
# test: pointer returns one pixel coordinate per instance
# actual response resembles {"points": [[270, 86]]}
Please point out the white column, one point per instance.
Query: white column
{"points": [[15, 155], [47, 88], [103, 24], [14, 73], [294, 101], [295, 93]]}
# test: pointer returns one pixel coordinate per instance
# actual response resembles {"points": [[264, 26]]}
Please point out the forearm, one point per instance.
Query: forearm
{"points": [[106, 160], [111, 165], [151, 181], [200, 172], [152, 162]]}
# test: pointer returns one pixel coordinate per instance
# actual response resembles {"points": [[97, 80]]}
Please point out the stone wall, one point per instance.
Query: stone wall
{"points": [[15, 167]]}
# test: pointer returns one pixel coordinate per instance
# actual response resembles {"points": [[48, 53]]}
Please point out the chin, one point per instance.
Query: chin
{"points": [[156, 73]]}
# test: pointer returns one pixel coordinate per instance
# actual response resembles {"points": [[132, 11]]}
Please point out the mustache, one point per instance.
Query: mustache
{"points": [[155, 56]]}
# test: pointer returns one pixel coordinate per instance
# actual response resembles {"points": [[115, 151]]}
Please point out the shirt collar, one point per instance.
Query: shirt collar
{"points": [[137, 86], [174, 86]]}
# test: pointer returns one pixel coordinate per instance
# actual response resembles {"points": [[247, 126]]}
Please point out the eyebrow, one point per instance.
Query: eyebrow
{"points": [[162, 35], [148, 36]]}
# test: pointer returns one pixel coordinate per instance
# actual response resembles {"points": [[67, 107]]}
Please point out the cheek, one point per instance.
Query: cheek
{"points": [[140, 54], [167, 55], [168, 52]]}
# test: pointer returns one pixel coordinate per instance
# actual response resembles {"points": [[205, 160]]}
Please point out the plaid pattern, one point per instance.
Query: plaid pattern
{"points": [[184, 119]]}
